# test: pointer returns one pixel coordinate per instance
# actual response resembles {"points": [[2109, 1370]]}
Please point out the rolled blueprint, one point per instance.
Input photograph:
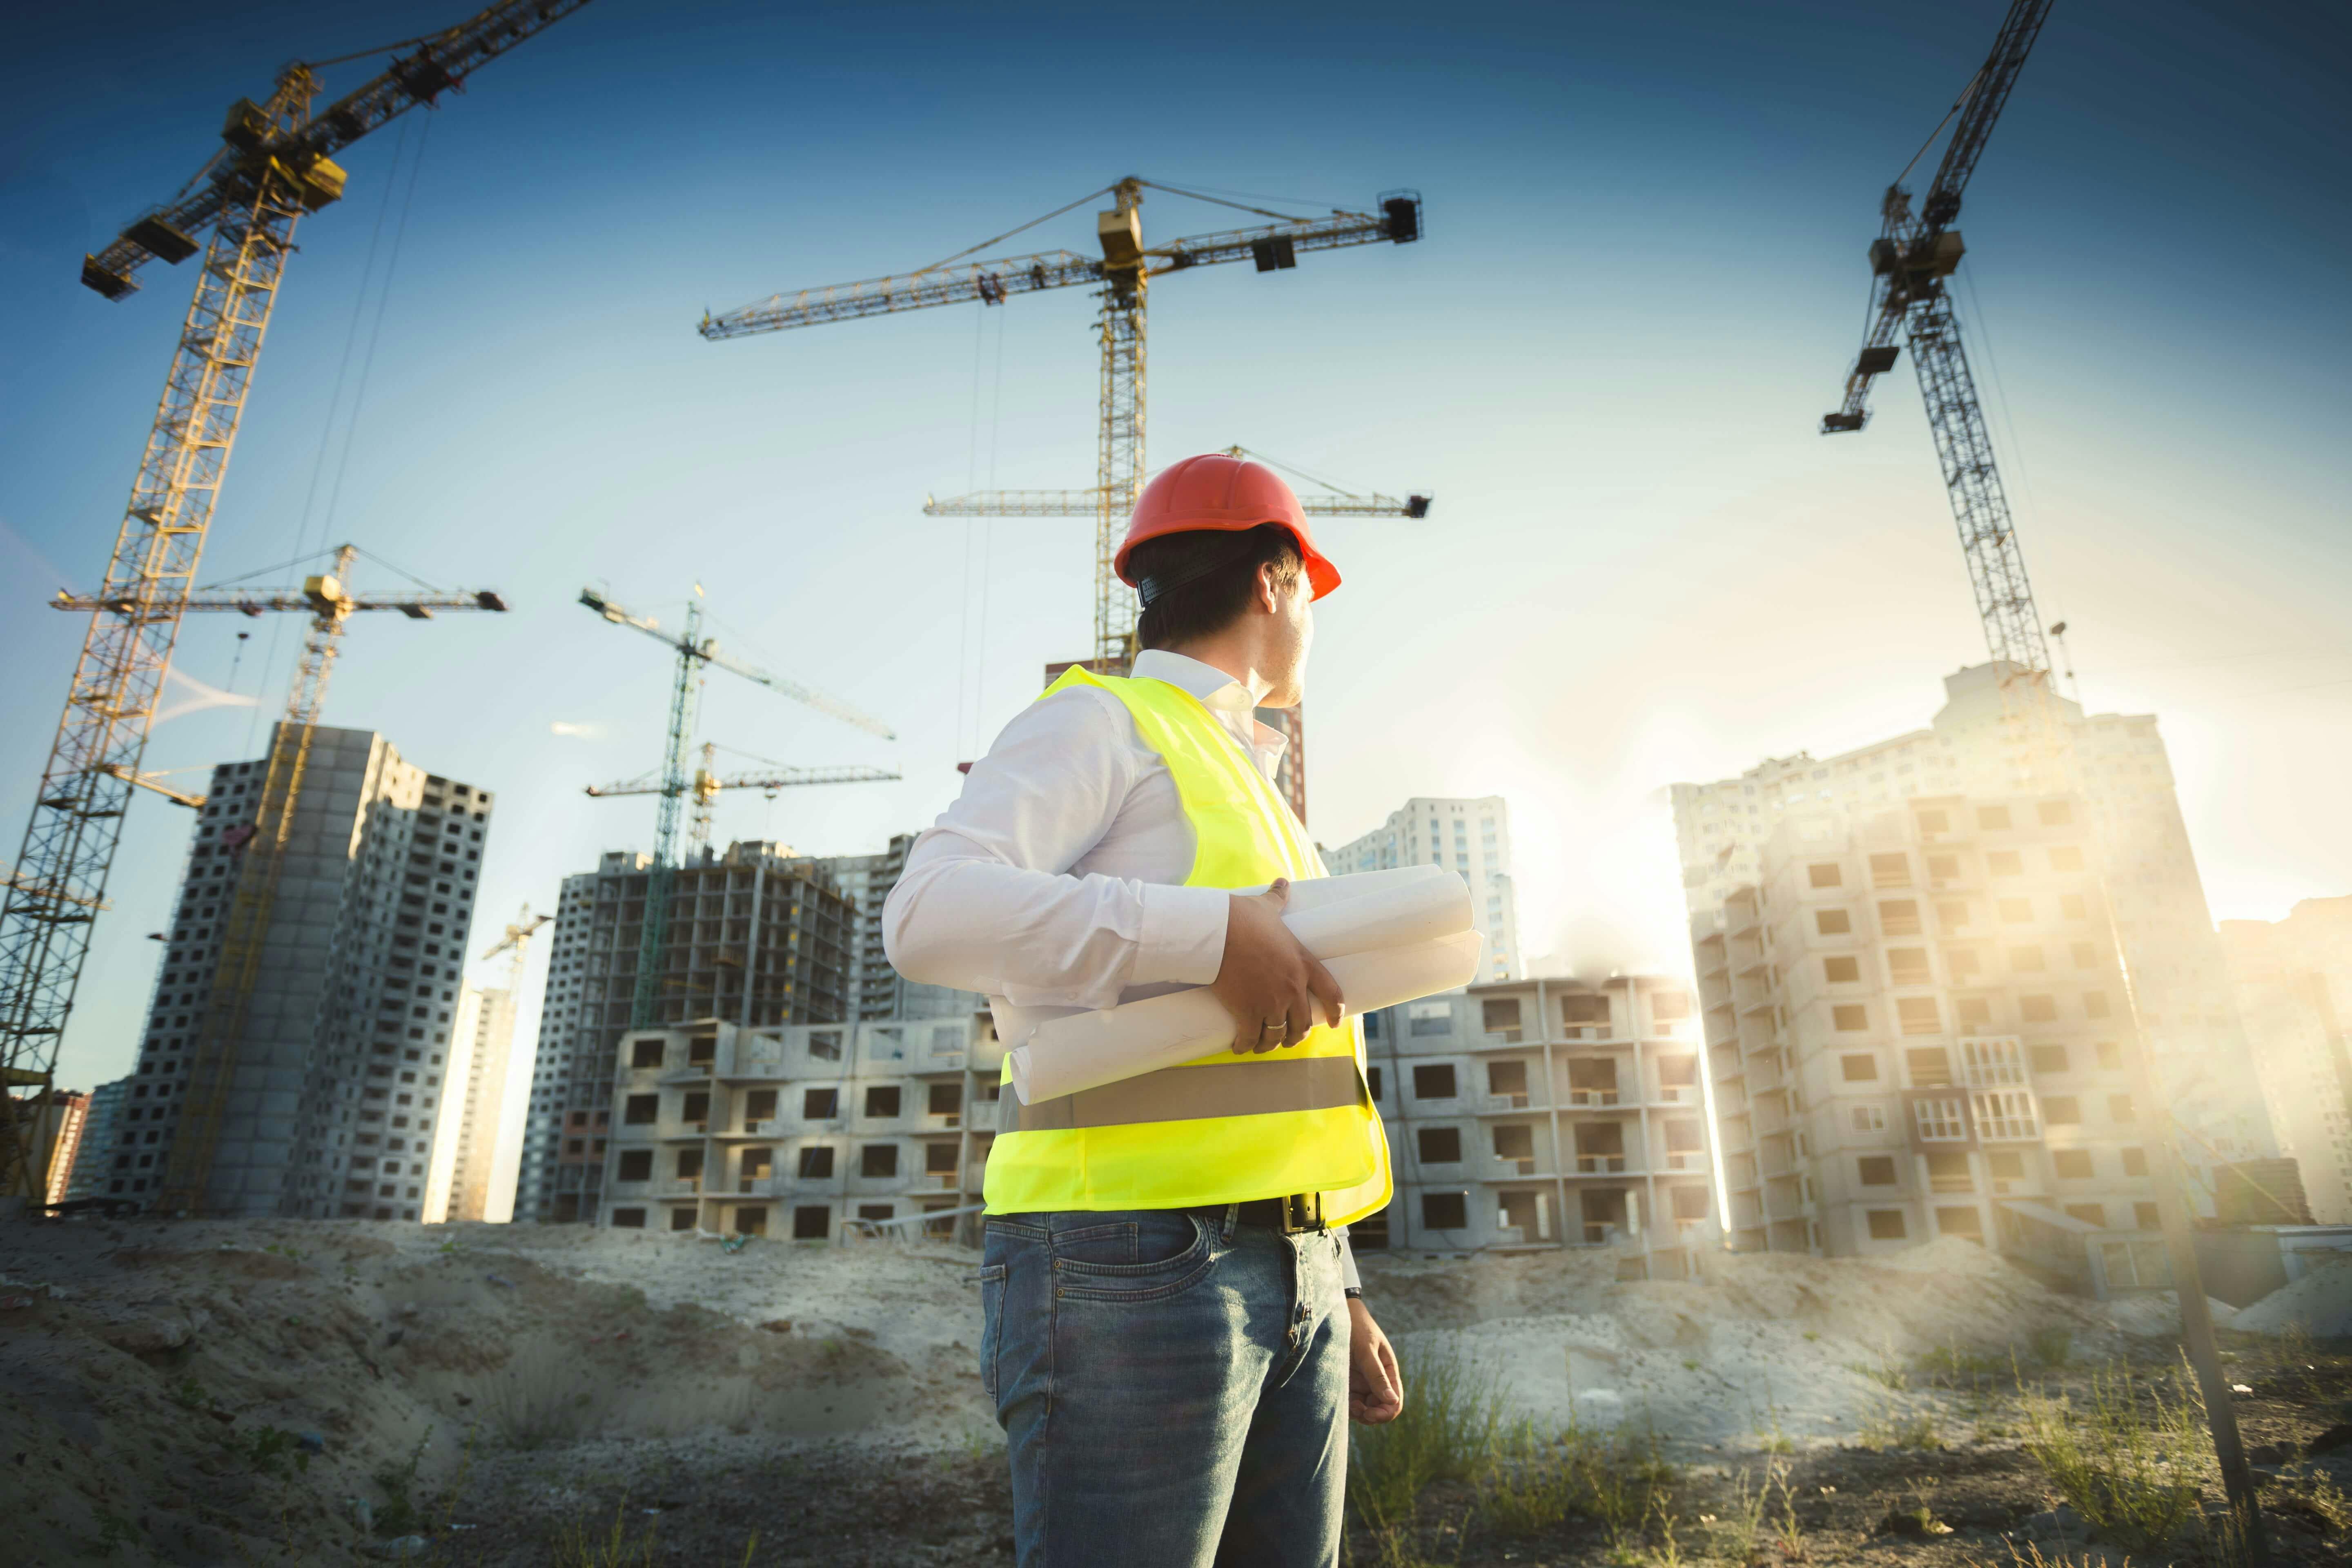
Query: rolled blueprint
{"points": [[1387, 937]]}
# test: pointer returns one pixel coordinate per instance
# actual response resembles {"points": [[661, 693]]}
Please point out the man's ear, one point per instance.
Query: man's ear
{"points": [[1269, 589]]}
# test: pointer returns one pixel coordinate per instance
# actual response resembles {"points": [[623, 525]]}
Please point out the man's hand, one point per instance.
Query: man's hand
{"points": [[1375, 1389], [1274, 988]]}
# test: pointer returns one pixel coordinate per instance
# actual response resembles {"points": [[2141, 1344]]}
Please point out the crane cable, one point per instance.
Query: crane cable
{"points": [[1009, 233], [334, 403]]}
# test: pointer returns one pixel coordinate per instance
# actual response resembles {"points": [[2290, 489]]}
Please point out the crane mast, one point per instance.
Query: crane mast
{"points": [[273, 166], [1122, 278], [1911, 263], [676, 779]]}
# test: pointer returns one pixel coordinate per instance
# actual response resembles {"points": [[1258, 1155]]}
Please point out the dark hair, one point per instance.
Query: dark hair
{"points": [[1196, 584]]}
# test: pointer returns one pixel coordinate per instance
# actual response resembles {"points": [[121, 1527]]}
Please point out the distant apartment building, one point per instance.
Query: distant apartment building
{"points": [[1472, 837], [1978, 747], [1917, 1028], [336, 1074], [93, 1156], [756, 937], [801, 1131], [1546, 1114], [878, 991], [466, 1145], [54, 1122], [2293, 979]]}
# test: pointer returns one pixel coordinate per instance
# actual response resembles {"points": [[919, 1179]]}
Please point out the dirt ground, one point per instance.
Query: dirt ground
{"points": [[496, 1396]]}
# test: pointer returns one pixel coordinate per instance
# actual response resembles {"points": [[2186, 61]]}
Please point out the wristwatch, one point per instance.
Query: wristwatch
{"points": [[1353, 1293]]}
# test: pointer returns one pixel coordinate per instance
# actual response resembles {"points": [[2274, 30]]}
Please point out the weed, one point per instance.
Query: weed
{"points": [[400, 1514], [2022, 1555], [2133, 1475], [2052, 1346], [1886, 1371], [1775, 1441], [1617, 1477], [1787, 1533], [1669, 1554], [264, 1446], [578, 1547], [1736, 1536], [457, 1487], [1811, 1335], [1532, 1484], [1952, 1367], [1893, 1428], [537, 1400], [1452, 1418], [189, 1395], [2319, 1502]]}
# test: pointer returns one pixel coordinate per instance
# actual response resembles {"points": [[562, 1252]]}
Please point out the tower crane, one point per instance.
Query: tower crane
{"points": [[328, 600], [706, 785], [1911, 265], [672, 784], [516, 944], [1121, 279], [276, 164]]}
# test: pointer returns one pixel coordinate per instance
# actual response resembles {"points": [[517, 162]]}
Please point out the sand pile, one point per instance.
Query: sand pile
{"points": [[206, 1392], [2320, 1303], [1764, 1346]]}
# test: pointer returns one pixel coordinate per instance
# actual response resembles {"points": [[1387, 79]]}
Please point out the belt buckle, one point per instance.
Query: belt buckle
{"points": [[1301, 1212]]}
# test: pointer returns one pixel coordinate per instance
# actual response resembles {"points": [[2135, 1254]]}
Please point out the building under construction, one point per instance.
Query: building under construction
{"points": [[1546, 1113], [1912, 959], [756, 937], [878, 991], [334, 1079], [810, 1132]]}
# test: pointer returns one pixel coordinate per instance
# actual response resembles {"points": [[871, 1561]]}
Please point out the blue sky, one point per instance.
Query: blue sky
{"points": [[1641, 282]]}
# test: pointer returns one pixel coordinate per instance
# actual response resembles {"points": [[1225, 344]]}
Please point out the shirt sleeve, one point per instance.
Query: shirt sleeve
{"points": [[987, 901], [1349, 1279]]}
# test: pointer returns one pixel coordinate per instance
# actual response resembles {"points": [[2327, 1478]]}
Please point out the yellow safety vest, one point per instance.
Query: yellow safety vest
{"points": [[1225, 1128]]}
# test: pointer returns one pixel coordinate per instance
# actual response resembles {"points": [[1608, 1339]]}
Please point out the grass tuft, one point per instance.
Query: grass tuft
{"points": [[2132, 1468]]}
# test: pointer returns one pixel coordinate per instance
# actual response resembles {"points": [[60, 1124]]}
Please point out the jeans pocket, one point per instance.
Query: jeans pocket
{"points": [[992, 1319], [1177, 1242]]}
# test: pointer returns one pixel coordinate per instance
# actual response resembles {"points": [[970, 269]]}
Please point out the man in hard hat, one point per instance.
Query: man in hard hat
{"points": [[1173, 1331]]}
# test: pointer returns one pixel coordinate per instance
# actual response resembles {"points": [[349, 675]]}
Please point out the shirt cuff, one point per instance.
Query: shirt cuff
{"points": [[1349, 1279], [1182, 937]]}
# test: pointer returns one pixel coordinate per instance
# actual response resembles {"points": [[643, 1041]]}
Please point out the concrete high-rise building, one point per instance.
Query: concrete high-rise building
{"points": [[878, 991], [1978, 745], [466, 1148], [92, 1160], [1916, 1019], [804, 1130], [336, 1078], [1546, 1113], [2294, 981], [1469, 836], [57, 1135], [756, 937]]}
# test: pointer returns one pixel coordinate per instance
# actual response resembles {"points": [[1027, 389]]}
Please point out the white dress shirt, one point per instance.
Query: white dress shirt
{"points": [[1053, 883]]}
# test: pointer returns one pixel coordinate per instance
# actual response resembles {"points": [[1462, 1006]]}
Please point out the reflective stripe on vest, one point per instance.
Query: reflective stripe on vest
{"points": [[1194, 1094], [1222, 1127]]}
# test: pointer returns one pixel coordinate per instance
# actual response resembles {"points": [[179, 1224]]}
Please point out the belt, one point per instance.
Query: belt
{"points": [[1293, 1215]]}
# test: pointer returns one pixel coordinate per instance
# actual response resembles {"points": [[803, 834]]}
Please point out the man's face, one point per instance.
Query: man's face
{"points": [[1291, 635]]}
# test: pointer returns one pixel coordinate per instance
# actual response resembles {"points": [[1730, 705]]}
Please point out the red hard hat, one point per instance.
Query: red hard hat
{"points": [[1217, 493]]}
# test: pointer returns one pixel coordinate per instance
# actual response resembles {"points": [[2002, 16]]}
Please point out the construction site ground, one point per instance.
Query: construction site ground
{"points": [[352, 1391]]}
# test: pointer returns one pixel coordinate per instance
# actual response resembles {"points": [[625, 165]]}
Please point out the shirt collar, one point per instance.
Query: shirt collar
{"points": [[1220, 693]]}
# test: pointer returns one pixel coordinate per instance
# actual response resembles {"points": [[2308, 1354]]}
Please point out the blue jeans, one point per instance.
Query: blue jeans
{"points": [[1174, 1396]]}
